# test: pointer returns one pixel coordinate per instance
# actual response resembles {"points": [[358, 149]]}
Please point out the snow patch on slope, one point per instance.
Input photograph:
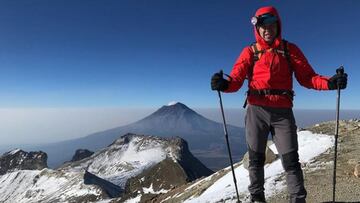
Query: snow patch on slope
{"points": [[134, 200], [43, 185], [13, 152], [129, 162], [150, 190], [126, 158], [310, 146], [172, 103]]}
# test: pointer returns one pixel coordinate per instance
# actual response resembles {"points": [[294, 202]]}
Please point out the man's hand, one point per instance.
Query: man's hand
{"points": [[218, 82], [338, 80]]}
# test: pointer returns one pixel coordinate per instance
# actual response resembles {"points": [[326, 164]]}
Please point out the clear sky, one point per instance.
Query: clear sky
{"points": [[142, 53]]}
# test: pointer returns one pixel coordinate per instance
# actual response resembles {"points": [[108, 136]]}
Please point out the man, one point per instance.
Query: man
{"points": [[269, 65]]}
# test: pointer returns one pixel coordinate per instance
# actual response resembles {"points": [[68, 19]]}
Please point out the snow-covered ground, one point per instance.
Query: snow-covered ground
{"points": [[310, 146], [117, 167], [30, 186], [62, 186], [121, 161]]}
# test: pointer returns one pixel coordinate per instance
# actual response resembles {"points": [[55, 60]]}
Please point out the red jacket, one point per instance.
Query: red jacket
{"points": [[271, 71]]}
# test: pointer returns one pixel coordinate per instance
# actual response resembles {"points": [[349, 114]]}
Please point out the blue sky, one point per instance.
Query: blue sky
{"points": [[141, 53]]}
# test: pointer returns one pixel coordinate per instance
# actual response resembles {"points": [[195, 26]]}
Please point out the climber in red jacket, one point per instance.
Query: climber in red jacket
{"points": [[269, 65]]}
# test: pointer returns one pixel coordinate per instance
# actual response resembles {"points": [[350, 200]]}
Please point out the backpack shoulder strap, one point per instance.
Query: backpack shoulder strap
{"points": [[287, 54], [256, 56], [256, 52]]}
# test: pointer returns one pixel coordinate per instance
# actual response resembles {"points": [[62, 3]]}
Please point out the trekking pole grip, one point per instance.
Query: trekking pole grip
{"points": [[340, 70]]}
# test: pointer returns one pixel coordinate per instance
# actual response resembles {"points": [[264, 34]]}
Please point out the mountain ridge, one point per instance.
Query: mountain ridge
{"points": [[166, 181], [167, 121], [131, 154], [125, 168]]}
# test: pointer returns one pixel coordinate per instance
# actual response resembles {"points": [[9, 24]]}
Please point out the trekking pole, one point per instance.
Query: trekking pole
{"points": [[339, 71], [228, 145]]}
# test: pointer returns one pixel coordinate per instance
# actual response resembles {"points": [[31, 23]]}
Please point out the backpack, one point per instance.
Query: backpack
{"points": [[256, 56]]}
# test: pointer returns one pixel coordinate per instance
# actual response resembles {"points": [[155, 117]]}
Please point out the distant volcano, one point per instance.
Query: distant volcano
{"points": [[205, 137]]}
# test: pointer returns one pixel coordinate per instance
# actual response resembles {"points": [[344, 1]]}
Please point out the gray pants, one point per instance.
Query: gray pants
{"points": [[280, 122]]}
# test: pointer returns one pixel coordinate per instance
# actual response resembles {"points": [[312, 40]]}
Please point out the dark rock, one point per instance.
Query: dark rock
{"points": [[111, 189], [270, 157], [21, 160], [162, 177], [81, 154], [193, 168], [169, 173]]}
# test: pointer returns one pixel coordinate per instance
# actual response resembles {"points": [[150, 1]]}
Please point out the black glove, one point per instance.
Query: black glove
{"points": [[218, 82], [338, 80]]}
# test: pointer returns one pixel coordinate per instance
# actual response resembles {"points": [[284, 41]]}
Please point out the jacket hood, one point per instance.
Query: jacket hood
{"points": [[259, 39]]}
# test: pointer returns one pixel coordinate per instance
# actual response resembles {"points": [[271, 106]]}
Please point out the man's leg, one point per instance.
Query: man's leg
{"points": [[257, 129], [283, 129], [294, 177], [256, 174]]}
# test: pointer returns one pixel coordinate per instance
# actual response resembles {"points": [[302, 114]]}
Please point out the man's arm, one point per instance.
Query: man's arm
{"points": [[240, 70], [304, 73]]}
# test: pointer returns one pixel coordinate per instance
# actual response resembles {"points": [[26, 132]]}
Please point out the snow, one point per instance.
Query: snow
{"points": [[43, 185], [134, 200], [152, 155], [310, 146], [172, 154], [151, 190], [104, 201], [121, 161], [172, 103], [13, 151], [126, 163]]}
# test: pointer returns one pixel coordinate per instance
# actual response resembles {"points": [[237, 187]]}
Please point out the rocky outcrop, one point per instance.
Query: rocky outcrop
{"points": [[192, 167], [162, 177], [21, 160], [81, 154], [141, 164], [357, 171], [355, 163], [168, 174], [270, 156]]}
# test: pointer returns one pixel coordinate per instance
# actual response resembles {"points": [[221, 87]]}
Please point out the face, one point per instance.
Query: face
{"points": [[268, 32]]}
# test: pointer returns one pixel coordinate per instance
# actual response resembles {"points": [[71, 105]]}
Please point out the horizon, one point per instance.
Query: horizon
{"points": [[49, 125]]}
